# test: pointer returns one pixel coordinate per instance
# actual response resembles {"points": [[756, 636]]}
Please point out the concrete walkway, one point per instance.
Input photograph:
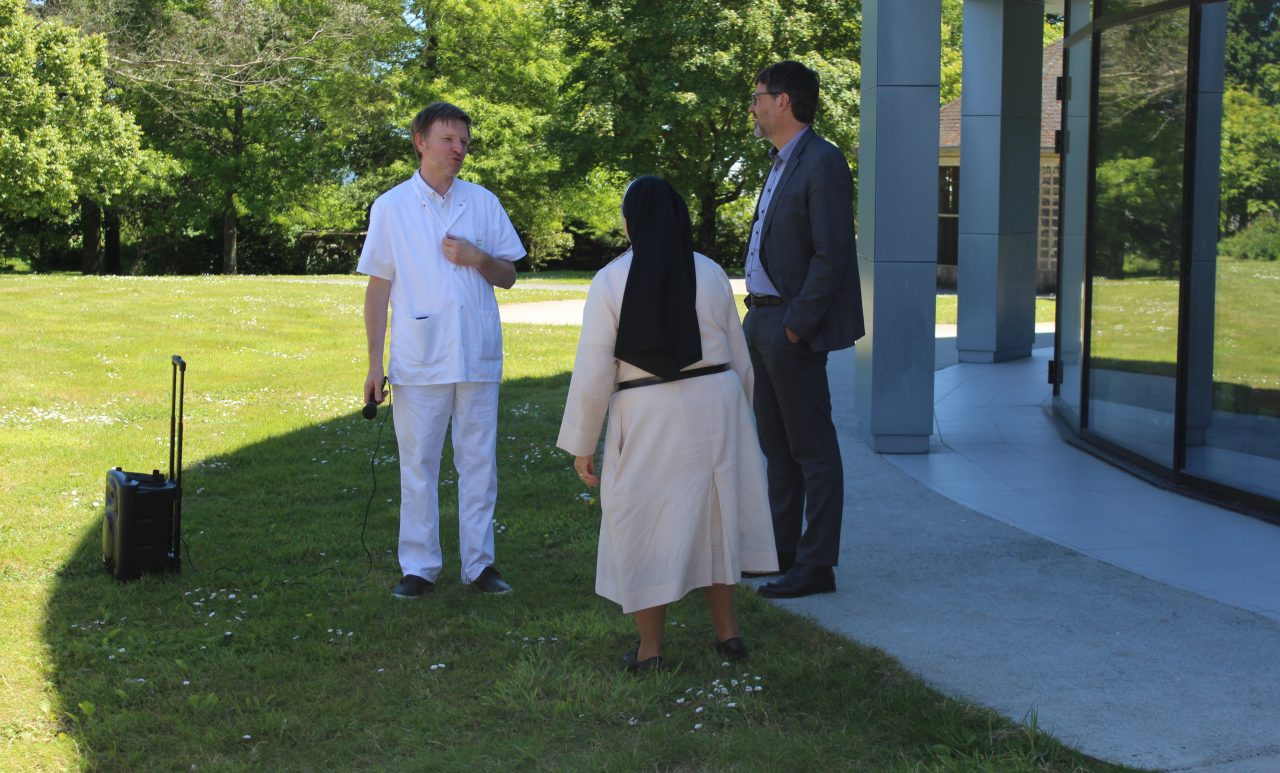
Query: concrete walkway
{"points": [[1011, 569]]}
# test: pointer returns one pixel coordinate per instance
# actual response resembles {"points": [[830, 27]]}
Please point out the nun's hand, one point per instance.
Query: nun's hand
{"points": [[586, 468]]}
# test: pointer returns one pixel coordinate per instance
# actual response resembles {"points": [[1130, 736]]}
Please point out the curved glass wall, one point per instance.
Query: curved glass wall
{"points": [[1233, 424], [1139, 140], [1168, 349]]}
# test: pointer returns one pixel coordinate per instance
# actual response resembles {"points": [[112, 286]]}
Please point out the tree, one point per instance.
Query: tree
{"points": [[1253, 48], [1250, 181], [61, 137], [952, 43], [1140, 148], [254, 98], [662, 88]]}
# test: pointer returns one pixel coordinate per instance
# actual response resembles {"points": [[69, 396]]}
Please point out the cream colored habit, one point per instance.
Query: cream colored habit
{"points": [[683, 491]]}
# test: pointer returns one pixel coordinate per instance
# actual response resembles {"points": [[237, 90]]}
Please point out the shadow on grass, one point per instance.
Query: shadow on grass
{"points": [[279, 646], [280, 634]]}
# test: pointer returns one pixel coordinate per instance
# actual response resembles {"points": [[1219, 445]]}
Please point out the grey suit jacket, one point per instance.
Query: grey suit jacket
{"points": [[808, 246]]}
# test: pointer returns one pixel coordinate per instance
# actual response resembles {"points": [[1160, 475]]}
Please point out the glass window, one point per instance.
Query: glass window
{"points": [[948, 215], [1137, 233], [1233, 421], [1120, 6]]}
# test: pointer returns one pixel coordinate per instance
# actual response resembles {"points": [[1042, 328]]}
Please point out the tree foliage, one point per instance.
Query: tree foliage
{"points": [[675, 103], [1140, 147], [233, 134], [504, 64], [254, 98], [61, 136], [1250, 179]]}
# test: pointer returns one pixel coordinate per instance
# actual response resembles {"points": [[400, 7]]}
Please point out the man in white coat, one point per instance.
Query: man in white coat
{"points": [[436, 248]]}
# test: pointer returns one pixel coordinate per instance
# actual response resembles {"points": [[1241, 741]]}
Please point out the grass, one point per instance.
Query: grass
{"points": [[947, 309], [1136, 324], [279, 647]]}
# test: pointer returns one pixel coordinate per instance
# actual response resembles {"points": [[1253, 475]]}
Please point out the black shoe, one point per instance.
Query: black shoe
{"points": [[785, 562], [490, 581], [629, 663], [732, 649], [411, 586], [801, 580]]}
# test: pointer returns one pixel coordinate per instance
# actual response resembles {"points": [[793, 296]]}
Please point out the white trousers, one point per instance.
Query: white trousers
{"points": [[421, 415]]}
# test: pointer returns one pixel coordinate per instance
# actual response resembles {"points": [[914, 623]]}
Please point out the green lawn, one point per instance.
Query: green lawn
{"points": [[279, 646], [947, 309], [1135, 324]]}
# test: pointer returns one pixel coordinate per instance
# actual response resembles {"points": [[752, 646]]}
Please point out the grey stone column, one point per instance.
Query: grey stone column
{"points": [[1204, 221], [898, 222], [999, 178]]}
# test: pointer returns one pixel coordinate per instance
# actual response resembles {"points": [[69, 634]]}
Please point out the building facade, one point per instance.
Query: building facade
{"points": [[1167, 350]]}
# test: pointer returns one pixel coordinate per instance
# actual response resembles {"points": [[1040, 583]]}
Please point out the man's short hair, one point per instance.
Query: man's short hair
{"points": [[796, 81], [438, 111]]}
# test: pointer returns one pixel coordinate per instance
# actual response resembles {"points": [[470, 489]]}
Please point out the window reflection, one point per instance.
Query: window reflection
{"points": [[1233, 433], [1137, 233]]}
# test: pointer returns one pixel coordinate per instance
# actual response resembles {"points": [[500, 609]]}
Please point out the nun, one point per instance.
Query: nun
{"points": [[682, 486]]}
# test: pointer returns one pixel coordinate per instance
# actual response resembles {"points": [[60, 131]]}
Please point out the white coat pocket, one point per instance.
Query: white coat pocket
{"points": [[421, 342], [490, 336]]}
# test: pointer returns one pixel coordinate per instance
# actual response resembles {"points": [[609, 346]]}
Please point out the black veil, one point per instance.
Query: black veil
{"points": [[658, 325]]}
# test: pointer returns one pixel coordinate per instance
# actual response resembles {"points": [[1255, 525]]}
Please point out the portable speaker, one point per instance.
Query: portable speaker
{"points": [[142, 525], [138, 528]]}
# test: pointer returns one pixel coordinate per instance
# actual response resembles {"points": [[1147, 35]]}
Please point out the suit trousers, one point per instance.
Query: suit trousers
{"points": [[422, 414], [793, 418]]}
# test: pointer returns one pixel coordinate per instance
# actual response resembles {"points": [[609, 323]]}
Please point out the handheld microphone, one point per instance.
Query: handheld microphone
{"points": [[370, 410]]}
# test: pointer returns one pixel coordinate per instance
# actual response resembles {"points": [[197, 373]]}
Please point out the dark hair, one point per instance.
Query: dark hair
{"points": [[438, 111], [796, 81]]}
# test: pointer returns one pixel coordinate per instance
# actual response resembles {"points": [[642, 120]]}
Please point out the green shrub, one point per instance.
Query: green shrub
{"points": [[1260, 240]]}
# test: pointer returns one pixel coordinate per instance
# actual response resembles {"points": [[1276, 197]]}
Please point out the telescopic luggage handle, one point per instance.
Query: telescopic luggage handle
{"points": [[175, 420], [175, 416]]}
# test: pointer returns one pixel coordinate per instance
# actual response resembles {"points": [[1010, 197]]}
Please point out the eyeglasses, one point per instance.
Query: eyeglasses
{"points": [[755, 98]]}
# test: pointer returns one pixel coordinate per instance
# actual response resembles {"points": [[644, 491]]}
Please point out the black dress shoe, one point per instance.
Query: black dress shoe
{"points": [[785, 562], [629, 663], [732, 649], [490, 581], [801, 580], [411, 586]]}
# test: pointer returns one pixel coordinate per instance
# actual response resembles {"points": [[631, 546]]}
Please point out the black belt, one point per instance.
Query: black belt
{"points": [[762, 300], [651, 380]]}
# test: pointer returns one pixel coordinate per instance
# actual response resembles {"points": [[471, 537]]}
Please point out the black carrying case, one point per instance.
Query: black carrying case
{"points": [[142, 525]]}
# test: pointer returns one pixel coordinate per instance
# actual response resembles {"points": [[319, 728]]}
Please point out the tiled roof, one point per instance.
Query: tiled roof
{"points": [[1050, 107]]}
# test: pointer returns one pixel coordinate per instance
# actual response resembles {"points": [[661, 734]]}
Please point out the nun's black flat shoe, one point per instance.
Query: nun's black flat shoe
{"points": [[733, 649], [629, 663]]}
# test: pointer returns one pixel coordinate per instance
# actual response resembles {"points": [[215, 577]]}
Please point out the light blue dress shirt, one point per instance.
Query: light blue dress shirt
{"points": [[758, 282]]}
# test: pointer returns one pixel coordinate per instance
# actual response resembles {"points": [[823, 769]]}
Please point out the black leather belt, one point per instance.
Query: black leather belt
{"points": [[651, 380], [762, 300]]}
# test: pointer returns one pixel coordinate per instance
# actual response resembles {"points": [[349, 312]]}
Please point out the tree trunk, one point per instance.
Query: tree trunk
{"points": [[91, 230], [229, 204], [111, 257], [229, 234], [706, 241]]}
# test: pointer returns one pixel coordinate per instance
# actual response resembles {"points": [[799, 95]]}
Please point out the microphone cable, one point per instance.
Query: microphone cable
{"points": [[373, 475]]}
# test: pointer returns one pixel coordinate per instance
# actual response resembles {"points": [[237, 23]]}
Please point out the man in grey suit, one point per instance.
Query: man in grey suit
{"points": [[803, 301]]}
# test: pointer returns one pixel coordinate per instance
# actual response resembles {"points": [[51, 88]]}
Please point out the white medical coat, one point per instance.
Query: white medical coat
{"points": [[444, 318]]}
